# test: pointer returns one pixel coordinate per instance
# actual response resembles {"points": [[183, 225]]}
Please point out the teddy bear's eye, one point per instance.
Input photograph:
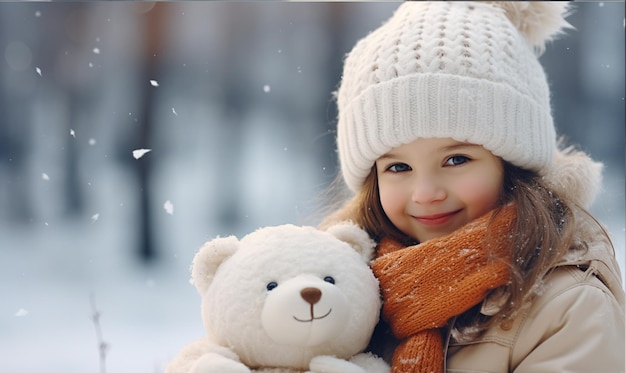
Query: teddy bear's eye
{"points": [[329, 279], [271, 285]]}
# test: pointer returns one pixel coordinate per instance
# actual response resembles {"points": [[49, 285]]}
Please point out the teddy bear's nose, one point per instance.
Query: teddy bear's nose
{"points": [[311, 295]]}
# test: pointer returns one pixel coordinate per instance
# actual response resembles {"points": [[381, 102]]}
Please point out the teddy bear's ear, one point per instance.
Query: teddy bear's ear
{"points": [[356, 237], [209, 258]]}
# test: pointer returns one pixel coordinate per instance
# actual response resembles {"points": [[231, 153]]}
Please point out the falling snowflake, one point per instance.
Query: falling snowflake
{"points": [[169, 207], [174, 112], [92, 142], [96, 50], [266, 88], [154, 83], [138, 153], [45, 176], [21, 313], [38, 70], [95, 217], [72, 133]]}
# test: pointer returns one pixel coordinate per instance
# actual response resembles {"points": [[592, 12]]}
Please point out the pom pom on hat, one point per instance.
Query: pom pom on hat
{"points": [[539, 21], [463, 70]]}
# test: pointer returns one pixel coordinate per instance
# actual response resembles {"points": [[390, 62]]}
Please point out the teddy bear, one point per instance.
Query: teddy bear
{"points": [[285, 299]]}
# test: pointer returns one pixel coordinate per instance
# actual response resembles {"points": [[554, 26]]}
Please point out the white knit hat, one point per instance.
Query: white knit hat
{"points": [[464, 70]]}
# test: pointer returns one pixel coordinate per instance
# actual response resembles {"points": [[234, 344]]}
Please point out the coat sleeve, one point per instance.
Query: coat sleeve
{"points": [[579, 328]]}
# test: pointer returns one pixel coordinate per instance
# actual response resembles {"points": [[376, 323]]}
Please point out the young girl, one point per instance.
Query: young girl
{"points": [[488, 260]]}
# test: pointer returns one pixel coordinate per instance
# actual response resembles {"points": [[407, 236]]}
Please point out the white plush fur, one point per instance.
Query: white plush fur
{"points": [[285, 299], [538, 21], [574, 175]]}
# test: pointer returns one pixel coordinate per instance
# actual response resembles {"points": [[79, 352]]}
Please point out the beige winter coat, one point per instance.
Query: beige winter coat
{"points": [[575, 325]]}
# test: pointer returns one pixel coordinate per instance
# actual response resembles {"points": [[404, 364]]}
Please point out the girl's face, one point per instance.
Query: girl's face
{"points": [[431, 187]]}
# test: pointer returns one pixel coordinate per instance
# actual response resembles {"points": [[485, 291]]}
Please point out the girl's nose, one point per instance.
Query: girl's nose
{"points": [[428, 190]]}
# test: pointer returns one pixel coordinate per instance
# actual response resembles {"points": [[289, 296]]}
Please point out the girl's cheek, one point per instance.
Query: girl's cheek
{"points": [[391, 200], [484, 192]]}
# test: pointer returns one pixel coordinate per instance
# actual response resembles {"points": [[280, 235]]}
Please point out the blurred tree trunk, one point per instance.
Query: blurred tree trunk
{"points": [[153, 47]]}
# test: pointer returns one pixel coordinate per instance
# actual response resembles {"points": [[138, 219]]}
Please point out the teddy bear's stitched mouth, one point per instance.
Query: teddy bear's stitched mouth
{"points": [[313, 317]]}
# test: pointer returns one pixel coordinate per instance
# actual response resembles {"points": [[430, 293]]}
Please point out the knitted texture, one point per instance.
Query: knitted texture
{"points": [[450, 69], [426, 285]]}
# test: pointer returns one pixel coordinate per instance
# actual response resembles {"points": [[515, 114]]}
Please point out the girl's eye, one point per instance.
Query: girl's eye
{"points": [[456, 160], [399, 167], [329, 279], [271, 285]]}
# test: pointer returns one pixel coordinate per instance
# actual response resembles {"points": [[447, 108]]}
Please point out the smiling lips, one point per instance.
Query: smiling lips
{"points": [[437, 218]]}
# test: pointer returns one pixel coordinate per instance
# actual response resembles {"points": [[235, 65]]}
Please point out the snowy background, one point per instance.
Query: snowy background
{"points": [[234, 101]]}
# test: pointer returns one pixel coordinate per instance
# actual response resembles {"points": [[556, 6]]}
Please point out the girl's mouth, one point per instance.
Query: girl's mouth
{"points": [[436, 219]]}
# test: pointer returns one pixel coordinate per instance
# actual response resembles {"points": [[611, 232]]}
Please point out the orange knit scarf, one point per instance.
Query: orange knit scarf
{"points": [[424, 286]]}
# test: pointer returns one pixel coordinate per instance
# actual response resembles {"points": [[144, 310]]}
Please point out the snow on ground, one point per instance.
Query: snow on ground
{"points": [[51, 271]]}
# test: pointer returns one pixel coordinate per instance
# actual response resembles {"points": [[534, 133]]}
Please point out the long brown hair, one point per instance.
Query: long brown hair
{"points": [[543, 233]]}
